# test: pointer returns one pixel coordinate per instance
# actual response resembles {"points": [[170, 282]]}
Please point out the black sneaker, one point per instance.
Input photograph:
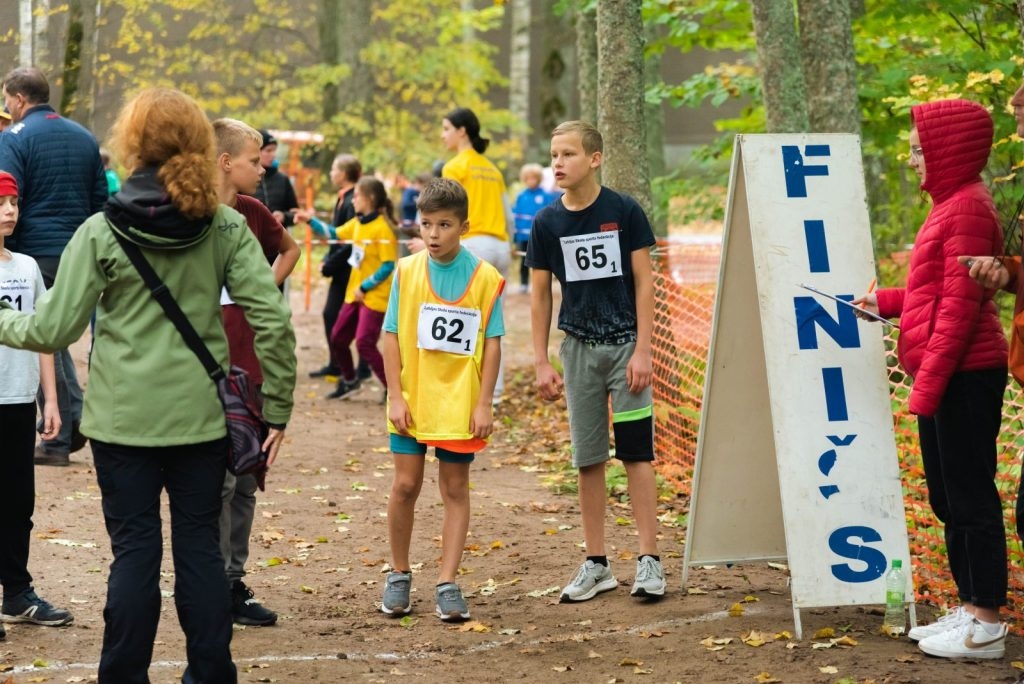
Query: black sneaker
{"points": [[363, 371], [44, 456], [246, 610], [345, 388], [3, 633], [326, 370], [28, 607]]}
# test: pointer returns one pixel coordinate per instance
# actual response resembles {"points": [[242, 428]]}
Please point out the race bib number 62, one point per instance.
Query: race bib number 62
{"points": [[452, 329], [591, 257]]}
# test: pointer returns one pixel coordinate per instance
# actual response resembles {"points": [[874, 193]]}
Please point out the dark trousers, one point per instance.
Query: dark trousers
{"points": [[958, 448], [524, 270], [130, 480], [17, 472], [332, 307]]}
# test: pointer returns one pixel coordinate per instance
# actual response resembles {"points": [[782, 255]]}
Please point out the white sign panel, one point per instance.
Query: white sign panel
{"points": [[815, 449]]}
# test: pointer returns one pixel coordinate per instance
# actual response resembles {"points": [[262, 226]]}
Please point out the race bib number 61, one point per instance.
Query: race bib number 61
{"points": [[591, 257], [452, 329]]}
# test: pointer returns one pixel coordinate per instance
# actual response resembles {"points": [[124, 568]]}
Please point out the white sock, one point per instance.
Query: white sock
{"points": [[991, 628]]}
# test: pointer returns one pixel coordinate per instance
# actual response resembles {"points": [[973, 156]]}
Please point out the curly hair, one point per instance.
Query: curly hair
{"points": [[165, 128]]}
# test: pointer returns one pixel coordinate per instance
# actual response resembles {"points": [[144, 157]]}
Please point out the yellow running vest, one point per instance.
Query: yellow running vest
{"points": [[442, 387]]}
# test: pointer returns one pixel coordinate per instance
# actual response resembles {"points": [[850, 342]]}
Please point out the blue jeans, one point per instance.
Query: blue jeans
{"points": [[69, 392], [130, 480]]}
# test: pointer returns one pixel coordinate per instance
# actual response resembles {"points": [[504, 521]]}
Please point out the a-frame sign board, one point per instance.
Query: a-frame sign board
{"points": [[796, 456]]}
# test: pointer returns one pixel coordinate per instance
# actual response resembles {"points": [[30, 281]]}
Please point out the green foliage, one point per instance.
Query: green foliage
{"points": [[907, 53]]}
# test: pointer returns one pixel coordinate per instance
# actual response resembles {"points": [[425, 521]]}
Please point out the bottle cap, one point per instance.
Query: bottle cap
{"points": [[897, 563]]}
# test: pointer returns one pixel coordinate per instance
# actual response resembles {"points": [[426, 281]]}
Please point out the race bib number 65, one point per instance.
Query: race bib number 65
{"points": [[591, 257], [452, 329]]}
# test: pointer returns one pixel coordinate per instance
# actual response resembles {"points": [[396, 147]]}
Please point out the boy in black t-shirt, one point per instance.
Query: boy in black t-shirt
{"points": [[597, 243]]}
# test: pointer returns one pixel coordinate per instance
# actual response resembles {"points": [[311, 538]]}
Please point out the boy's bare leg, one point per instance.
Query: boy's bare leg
{"points": [[593, 495], [453, 481], [405, 489], [643, 497]]}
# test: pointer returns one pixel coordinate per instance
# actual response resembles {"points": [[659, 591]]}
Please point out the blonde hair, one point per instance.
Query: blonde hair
{"points": [[535, 170], [232, 134], [165, 128], [589, 135]]}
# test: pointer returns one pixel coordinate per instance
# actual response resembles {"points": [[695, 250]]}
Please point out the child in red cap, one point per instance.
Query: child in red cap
{"points": [[21, 284]]}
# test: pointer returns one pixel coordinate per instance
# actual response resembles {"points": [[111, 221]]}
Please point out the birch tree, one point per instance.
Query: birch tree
{"points": [[519, 66]]}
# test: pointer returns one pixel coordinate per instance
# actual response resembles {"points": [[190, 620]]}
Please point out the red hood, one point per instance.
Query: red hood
{"points": [[956, 138]]}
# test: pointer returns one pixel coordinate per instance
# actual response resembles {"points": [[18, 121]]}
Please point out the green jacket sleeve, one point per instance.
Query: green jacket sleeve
{"points": [[62, 312]]}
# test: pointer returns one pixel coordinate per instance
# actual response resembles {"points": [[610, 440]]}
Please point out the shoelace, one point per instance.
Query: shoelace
{"points": [[581, 576], [645, 570]]}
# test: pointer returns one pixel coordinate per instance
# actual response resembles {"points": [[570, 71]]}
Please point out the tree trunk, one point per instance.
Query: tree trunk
{"points": [[329, 28], [69, 95], [655, 125], [556, 75], [830, 69], [519, 68], [586, 60], [26, 36], [1020, 14], [344, 32], [778, 55], [620, 98]]}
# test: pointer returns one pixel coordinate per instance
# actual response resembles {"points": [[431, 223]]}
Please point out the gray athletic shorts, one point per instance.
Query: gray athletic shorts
{"points": [[592, 373]]}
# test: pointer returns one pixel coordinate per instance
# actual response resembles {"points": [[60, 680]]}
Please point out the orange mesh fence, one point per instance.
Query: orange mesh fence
{"points": [[685, 280]]}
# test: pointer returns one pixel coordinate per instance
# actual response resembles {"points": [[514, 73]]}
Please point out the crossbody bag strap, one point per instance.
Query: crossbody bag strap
{"points": [[163, 296]]}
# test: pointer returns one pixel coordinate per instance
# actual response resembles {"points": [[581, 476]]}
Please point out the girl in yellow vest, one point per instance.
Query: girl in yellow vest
{"points": [[442, 336], [374, 251]]}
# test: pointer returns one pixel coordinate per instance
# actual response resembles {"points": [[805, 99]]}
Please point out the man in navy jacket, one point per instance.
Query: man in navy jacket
{"points": [[58, 168]]}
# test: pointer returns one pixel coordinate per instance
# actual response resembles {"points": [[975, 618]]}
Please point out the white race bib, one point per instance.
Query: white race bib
{"points": [[593, 256], [452, 329], [18, 293], [225, 298], [358, 254]]}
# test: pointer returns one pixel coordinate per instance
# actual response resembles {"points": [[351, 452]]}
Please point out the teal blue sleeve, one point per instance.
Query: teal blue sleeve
{"points": [[391, 313], [321, 228], [496, 323]]}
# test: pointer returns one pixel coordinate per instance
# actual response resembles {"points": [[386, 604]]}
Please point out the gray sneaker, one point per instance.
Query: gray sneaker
{"points": [[396, 594], [650, 579], [590, 580], [451, 606]]}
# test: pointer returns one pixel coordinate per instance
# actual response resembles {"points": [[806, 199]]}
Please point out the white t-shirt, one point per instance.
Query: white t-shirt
{"points": [[21, 283]]}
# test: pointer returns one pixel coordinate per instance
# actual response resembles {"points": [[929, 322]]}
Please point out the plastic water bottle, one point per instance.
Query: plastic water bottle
{"points": [[895, 591]]}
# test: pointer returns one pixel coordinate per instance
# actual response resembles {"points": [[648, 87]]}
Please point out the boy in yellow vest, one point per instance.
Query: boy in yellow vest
{"points": [[442, 334]]}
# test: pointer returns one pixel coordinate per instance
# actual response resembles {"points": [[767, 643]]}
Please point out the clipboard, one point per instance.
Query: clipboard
{"points": [[860, 311]]}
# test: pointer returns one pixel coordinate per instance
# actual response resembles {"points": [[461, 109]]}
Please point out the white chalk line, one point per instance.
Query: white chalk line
{"points": [[397, 657]]}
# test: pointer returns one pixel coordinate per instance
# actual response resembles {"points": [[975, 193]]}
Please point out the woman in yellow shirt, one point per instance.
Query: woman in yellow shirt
{"points": [[374, 252], [490, 219]]}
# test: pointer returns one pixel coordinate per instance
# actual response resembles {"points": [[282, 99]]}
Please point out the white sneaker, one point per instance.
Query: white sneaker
{"points": [[590, 580], [650, 579], [967, 640], [950, 620]]}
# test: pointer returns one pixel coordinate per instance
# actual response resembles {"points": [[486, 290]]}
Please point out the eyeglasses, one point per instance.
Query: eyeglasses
{"points": [[916, 152]]}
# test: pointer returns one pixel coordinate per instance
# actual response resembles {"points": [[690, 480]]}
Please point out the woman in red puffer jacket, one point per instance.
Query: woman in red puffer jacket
{"points": [[952, 343]]}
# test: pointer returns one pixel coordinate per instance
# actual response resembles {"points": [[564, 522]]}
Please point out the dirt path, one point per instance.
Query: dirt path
{"points": [[319, 552]]}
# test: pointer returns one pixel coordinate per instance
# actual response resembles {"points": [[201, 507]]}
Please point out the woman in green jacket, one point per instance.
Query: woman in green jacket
{"points": [[151, 412]]}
